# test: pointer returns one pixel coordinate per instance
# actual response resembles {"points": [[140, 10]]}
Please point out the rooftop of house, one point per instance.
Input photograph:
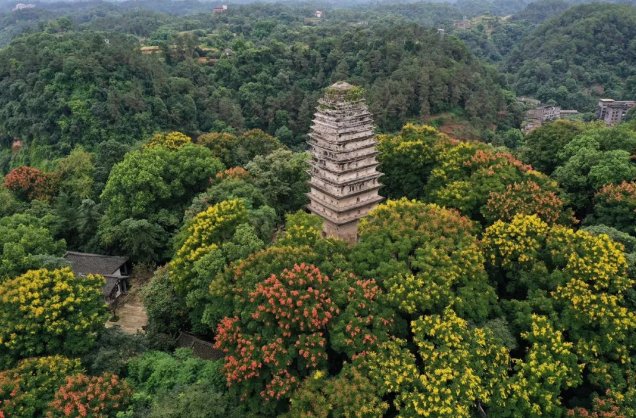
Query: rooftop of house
{"points": [[85, 263], [110, 285], [203, 349]]}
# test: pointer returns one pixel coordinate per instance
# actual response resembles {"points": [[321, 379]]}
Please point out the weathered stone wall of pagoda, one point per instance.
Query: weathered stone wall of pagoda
{"points": [[344, 176]]}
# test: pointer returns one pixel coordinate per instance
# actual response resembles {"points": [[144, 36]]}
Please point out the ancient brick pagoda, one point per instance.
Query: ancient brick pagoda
{"points": [[344, 177]]}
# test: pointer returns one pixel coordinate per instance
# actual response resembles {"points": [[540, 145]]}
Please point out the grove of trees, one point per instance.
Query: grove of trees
{"points": [[498, 277]]}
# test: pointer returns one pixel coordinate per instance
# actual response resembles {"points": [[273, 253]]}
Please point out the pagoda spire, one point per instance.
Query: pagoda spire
{"points": [[344, 177]]}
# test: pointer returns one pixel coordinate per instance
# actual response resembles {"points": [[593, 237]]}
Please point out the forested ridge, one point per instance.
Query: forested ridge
{"points": [[586, 53], [62, 88], [497, 278]]}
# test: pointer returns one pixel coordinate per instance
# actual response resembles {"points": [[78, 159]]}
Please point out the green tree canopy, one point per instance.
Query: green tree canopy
{"points": [[146, 196]]}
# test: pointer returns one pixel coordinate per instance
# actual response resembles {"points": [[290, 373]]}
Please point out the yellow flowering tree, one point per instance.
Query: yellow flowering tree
{"points": [[50, 312], [213, 238], [578, 279], [426, 257], [451, 370], [169, 140], [202, 235], [549, 368]]}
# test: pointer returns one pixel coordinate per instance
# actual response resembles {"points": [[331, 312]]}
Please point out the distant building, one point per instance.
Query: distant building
{"points": [[344, 180], [541, 114], [441, 32], [116, 271], [220, 9], [23, 6], [318, 14], [612, 112], [463, 24], [149, 50]]}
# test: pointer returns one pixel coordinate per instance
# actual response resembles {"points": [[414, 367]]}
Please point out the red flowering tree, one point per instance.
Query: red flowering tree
{"points": [[90, 396], [27, 389], [286, 326], [365, 316], [281, 336], [29, 183]]}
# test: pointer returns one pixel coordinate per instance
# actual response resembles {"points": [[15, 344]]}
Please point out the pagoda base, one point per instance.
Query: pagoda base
{"points": [[347, 232]]}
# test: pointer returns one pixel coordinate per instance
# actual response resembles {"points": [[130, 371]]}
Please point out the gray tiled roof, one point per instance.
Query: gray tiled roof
{"points": [[111, 284], [85, 263], [203, 349]]}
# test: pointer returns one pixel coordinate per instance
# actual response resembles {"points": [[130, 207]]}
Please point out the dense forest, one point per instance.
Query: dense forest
{"points": [[496, 279], [61, 87], [586, 53]]}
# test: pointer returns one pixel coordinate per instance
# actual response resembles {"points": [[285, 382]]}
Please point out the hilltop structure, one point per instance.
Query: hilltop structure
{"points": [[612, 112], [344, 177]]}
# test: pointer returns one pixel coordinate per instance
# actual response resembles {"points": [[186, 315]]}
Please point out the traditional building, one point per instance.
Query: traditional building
{"points": [[116, 271], [344, 177], [612, 112]]}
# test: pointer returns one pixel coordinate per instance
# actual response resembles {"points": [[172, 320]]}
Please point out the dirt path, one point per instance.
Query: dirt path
{"points": [[132, 317]]}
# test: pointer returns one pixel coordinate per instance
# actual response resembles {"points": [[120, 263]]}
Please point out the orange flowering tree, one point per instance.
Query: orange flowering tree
{"points": [[27, 389], [615, 206], [287, 326], [527, 197], [301, 242], [90, 396], [281, 335], [602, 407], [29, 183], [469, 172]]}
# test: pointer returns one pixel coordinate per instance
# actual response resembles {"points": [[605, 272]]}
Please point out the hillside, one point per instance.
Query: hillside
{"points": [[586, 53], [62, 88]]}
